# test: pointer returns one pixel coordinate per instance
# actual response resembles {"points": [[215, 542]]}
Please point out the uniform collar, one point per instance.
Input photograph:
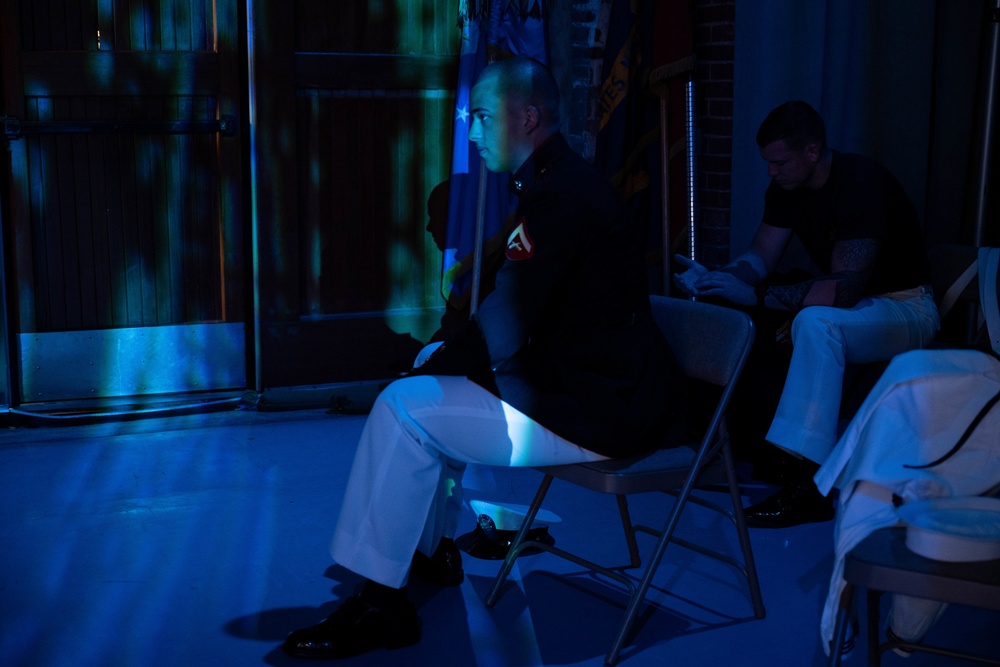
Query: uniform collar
{"points": [[551, 150]]}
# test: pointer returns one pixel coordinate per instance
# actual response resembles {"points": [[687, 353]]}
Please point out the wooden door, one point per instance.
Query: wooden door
{"points": [[124, 197], [352, 131]]}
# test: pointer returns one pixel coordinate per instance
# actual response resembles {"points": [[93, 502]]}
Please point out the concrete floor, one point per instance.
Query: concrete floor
{"points": [[202, 540]]}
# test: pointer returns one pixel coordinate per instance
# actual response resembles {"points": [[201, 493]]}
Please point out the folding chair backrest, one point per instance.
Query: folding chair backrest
{"points": [[953, 275], [710, 342]]}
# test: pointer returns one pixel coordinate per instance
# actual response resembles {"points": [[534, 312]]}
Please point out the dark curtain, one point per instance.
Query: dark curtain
{"points": [[894, 79]]}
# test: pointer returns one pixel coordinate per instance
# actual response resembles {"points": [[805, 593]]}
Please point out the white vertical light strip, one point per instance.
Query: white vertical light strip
{"points": [[691, 129]]}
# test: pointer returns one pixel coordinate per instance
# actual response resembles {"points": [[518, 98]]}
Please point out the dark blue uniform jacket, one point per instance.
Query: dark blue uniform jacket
{"points": [[566, 335]]}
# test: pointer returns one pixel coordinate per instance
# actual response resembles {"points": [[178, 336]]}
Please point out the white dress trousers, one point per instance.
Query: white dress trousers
{"points": [[404, 491], [824, 340]]}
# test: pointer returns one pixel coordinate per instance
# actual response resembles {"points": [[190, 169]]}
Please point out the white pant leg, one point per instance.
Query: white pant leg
{"points": [[421, 432], [824, 340], [910, 618]]}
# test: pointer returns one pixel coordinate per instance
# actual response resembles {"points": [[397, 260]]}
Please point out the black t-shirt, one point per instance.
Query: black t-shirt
{"points": [[860, 200]]}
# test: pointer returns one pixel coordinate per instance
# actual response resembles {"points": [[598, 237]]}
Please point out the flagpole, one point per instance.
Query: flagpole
{"points": [[665, 191], [513, 28], [477, 253]]}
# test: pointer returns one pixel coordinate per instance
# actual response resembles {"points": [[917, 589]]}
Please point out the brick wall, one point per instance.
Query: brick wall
{"points": [[588, 32], [714, 43]]}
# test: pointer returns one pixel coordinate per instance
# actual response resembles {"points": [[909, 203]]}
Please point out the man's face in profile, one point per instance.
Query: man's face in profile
{"points": [[491, 129]]}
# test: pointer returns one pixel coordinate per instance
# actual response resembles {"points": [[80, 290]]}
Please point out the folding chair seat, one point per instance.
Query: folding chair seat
{"points": [[882, 563], [711, 344]]}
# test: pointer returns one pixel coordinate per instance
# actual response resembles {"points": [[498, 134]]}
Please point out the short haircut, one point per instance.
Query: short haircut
{"points": [[795, 122], [530, 83]]}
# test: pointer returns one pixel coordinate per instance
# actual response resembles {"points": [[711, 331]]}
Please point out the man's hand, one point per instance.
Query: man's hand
{"points": [[699, 281], [727, 286], [688, 279]]}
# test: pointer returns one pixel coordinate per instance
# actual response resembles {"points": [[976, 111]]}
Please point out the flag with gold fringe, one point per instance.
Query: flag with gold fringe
{"points": [[648, 50]]}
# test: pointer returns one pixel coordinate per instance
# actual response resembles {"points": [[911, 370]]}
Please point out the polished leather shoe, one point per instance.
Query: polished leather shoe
{"points": [[794, 505], [355, 627], [444, 568]]}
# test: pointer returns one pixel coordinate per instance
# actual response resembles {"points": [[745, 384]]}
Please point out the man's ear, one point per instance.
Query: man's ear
{"points": [[813, 152], [532, 118]]}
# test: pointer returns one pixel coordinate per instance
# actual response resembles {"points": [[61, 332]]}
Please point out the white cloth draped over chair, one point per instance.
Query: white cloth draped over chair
{"points": [[915, 414]]}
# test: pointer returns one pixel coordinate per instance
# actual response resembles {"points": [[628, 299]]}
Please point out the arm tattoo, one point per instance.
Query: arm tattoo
{"points": [[850, 287], [790, 296], [855, 255], [852, 261]]}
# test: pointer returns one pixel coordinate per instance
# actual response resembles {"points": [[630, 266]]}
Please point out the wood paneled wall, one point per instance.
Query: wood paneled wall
{"points": [[373, 123]]}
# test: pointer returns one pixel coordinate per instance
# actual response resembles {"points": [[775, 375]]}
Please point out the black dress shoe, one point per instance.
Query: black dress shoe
{"points": [[355, 627], [444, 568], [792, 506]]}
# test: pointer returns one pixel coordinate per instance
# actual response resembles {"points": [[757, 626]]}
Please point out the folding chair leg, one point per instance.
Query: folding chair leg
{"points": [[639, 594], [633, 546], [843, 623], [741, 531], [874, 602], [516, 545]]}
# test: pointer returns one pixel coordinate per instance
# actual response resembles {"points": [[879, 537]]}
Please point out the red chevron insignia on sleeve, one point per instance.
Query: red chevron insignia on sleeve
{"points": [[519, 244]]}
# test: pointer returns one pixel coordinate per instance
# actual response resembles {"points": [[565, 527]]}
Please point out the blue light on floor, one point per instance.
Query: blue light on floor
{"points": [[202, 540]]}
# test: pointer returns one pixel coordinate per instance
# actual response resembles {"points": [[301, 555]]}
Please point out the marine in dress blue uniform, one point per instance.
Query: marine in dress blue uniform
{"points": [[563, 364]]}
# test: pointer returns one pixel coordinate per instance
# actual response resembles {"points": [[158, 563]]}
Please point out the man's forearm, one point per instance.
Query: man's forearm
{"points": [[840, 290], [748, 267], [784, 297]]}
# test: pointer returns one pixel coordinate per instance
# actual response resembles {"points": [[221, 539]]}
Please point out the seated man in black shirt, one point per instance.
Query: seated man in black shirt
{"points": [[871, 301]]}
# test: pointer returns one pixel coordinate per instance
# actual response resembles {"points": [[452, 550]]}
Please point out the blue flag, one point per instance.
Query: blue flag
{"points": [[628, 138], [491, 30]]}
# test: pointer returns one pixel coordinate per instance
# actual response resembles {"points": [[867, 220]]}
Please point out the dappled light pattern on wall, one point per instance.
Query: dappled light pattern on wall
{"points": [[373, 141], [125, 197], [126, 217]]}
